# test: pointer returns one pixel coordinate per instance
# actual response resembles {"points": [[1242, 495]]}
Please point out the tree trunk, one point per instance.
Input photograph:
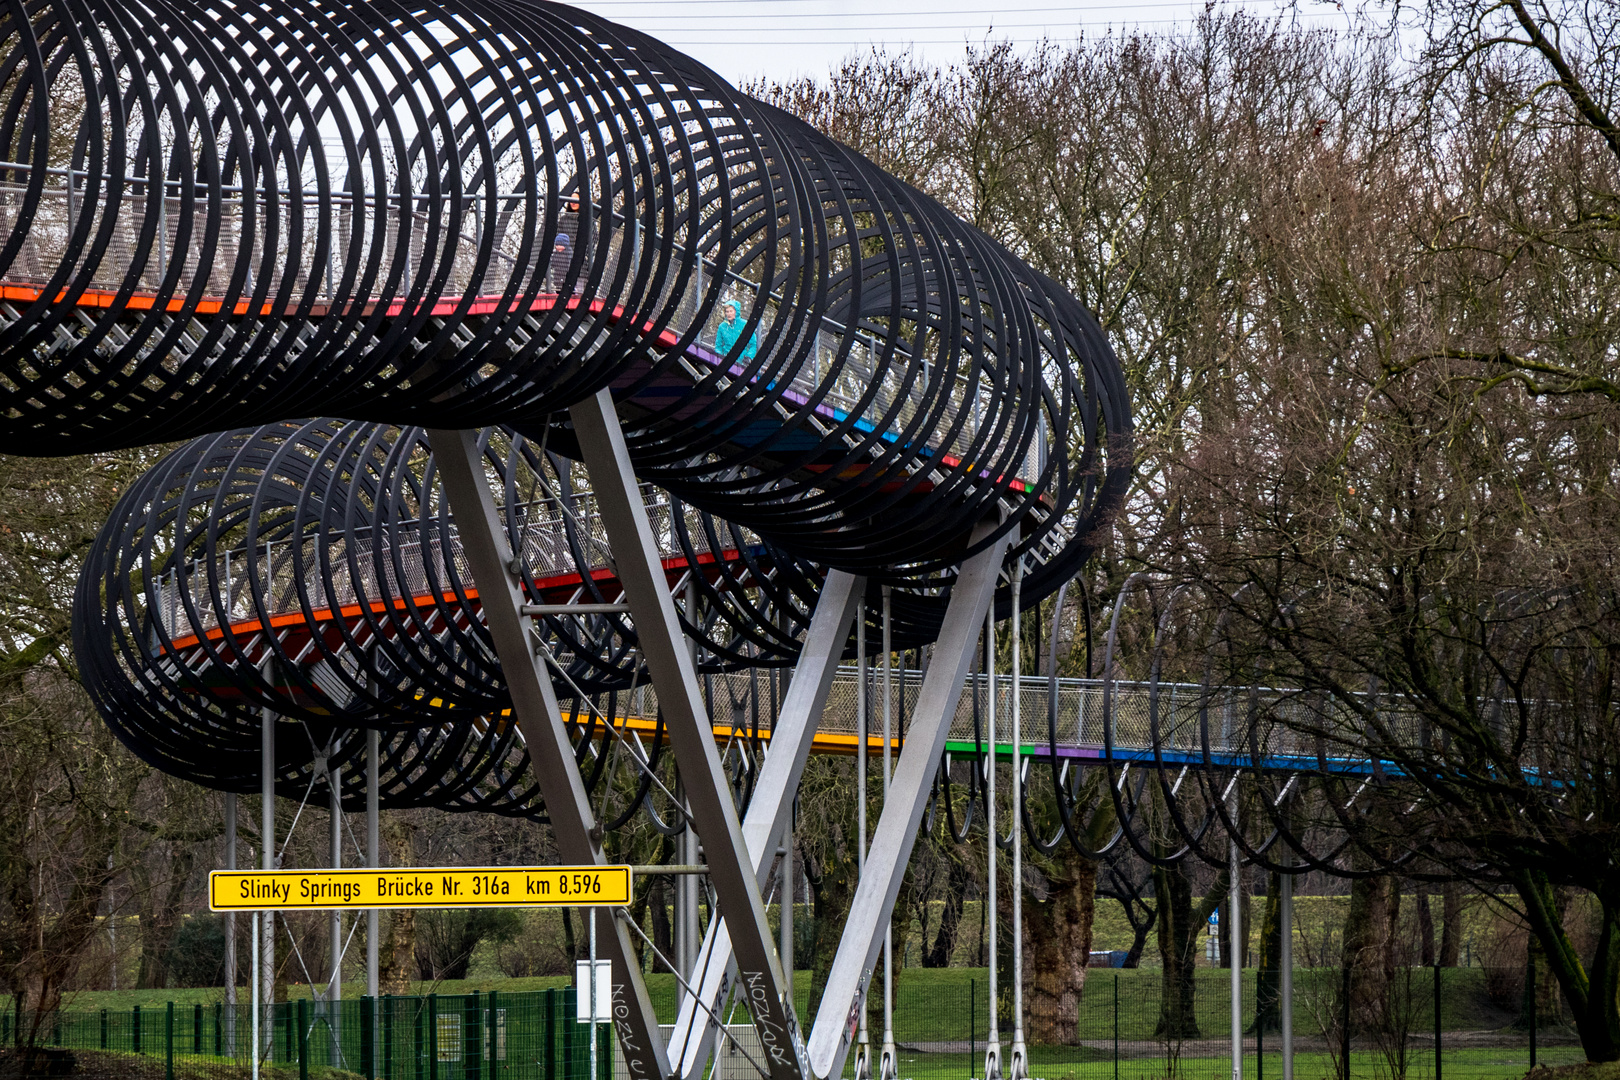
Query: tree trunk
{"points": [[1450, 924], [950, 920], [662, 935], [1592, 995], [398, 961], [1269, 988], [160, 919], [1178, 945], [1368, 943], [1057, 944], [1139, 936], [1425, 928]]}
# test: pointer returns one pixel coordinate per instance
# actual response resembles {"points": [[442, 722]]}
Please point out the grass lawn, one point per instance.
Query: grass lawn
{"points": [[112, 1065], [1065, 1063]]}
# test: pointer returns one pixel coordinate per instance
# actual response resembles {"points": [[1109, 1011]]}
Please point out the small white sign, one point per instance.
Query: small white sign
{"points": [[604, 991]]}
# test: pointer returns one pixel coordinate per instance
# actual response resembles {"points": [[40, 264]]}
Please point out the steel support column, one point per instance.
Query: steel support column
{"points": [[264, 968], [488, 550], [691, 736], [992, 1040], [863, 1040], [1234, 946], [784, 929], [334, 787], [1018, 1068], [770, 811], [888, 1059], [1285, 962], [230, 929], [896, 829], [373, 854], [334, 984]]}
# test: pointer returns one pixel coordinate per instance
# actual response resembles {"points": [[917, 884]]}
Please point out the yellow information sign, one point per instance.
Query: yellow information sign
{"points": [[420, 887]]}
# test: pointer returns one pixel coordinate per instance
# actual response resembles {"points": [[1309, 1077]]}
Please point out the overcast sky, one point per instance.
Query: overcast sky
{"points": [[782, 39]]}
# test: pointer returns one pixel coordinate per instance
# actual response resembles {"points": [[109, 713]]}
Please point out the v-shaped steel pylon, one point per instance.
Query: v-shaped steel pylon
{"points": [[691, 736], [534, 705]]}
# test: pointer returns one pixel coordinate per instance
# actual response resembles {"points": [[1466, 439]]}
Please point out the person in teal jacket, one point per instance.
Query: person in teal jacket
{"points": [[725, 338]]}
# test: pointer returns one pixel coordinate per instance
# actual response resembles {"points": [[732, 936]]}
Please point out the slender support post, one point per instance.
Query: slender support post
{"points": [[785, 927], [669, 665], [253, 924], [1285, 961], [1344, 1025], [992, 1040], [686, 889], [590, 982], [1020, 1052], [770, 811], [1116, 1025], [689, 909], [301, 1037], [1530, 976], [1234, 938], [265, 968], [534, 707], [230, 927], [685, 901], [334, 984], [896, 830], [863, 1040], [373, 856], [1437, 1055], [889, 1061]]}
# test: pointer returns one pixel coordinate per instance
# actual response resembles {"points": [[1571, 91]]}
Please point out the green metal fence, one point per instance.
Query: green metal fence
{"points": [[491, 1036], [1425, 1024]]}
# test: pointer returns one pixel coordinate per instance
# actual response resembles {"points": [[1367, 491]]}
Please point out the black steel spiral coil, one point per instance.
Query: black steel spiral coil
{"points": [[226, 216], [312, 570]]}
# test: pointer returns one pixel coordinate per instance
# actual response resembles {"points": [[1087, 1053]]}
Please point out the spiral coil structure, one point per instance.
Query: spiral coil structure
{"points": [[313, 570], [474, 215], [226, 216]]}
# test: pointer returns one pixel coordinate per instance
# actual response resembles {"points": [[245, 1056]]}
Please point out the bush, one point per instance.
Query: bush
{"points": [[197, 953], [536, 950]]}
